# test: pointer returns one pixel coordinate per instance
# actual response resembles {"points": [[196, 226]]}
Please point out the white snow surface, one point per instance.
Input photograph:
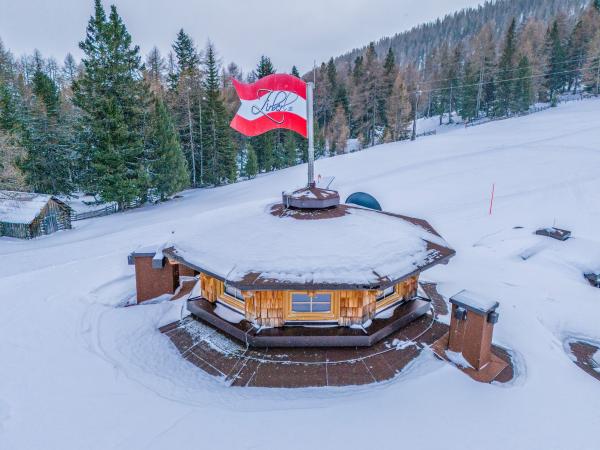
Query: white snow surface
{"points": [[458, 359], [228, 314], [21, 207], [475, 300], [359, 247], [78, 371]]}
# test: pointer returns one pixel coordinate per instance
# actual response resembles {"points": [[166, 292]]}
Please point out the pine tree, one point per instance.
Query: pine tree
{"points": [[290, 153], [340, 132], [184, 83], [390, 72], [11, 178], [216, 140], [523, 86], [555, 73], [155, 68], [506, 72], [597, 5], [186, 55], [591, 71], [113, 99], [167, 164], [264, 145], [10, 101], [264, 68], [398, 111], [46, 91], [251, 167], [69, 69], [366, 97], [469, 92], [295, 72], [45, 164], [453, 76]]}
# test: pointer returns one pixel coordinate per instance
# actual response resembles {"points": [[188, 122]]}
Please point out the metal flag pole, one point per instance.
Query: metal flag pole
{"points": [[310, 132]]}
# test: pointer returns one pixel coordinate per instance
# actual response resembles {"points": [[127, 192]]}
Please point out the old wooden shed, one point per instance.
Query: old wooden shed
{"points": [[26, 215]]}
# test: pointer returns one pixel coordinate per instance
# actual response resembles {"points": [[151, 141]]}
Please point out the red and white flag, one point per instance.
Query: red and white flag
{"points": [[275, 101]]}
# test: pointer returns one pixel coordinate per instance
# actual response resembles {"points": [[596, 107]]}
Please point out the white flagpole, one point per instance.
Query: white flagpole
{"points": [[310, 131]]}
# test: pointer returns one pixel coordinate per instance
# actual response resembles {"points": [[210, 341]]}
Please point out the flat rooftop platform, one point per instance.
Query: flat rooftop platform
{"points": [[238, 364]]}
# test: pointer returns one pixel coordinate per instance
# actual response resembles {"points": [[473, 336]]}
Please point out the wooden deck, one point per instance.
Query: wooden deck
{"points": [[241, 365], [316, 336]]}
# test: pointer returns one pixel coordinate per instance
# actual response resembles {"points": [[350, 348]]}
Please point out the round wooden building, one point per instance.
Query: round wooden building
{"points": [[308, 271]]}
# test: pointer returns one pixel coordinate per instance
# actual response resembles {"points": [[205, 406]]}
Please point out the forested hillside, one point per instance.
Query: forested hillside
{"points": [[415, 44], [128, 129]]}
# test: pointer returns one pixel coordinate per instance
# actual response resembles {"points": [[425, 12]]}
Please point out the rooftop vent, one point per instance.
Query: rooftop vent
{"points": [[311, 197]]}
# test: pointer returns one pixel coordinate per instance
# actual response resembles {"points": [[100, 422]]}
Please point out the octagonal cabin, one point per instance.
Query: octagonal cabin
{"points": [[299, 272]]}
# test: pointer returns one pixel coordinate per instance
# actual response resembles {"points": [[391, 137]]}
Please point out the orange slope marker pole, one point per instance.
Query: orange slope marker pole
{"points": [[492, 199]]}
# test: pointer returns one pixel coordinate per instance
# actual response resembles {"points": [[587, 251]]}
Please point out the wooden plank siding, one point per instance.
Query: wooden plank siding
{"points": [[38, 227], [273, 308], [211, 288]]}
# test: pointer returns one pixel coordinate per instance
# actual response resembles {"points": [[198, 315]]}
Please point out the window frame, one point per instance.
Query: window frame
{"points": [[387, 300], [231, 300], [313, 316]]}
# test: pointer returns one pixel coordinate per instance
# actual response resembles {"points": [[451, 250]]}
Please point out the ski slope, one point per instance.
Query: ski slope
{"points": [[78, 371]]}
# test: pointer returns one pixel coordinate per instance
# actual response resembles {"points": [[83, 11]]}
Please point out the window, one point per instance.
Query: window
{"points": [[234, 292], [311, 303], [387, 292]]}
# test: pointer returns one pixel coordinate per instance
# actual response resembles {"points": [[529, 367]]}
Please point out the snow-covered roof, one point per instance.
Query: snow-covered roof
{"points": [[254, 247], [21, 207]]}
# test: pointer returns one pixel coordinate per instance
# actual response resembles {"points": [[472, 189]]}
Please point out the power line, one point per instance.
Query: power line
{"points": [[492, 82]]}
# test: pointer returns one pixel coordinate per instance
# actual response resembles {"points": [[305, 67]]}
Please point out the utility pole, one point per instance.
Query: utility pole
{"points": [[310, 131], [414, 130]]}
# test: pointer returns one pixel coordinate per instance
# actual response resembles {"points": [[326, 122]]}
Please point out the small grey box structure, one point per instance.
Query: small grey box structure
{"points": [[554, 233], [593, 278]]}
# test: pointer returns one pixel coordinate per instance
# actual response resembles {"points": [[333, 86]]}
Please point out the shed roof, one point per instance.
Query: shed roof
{"points": [[348, 247], [22, 207]]}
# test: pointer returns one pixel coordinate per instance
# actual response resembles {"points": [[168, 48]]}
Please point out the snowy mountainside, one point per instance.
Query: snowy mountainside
{"points": [[80, 371]]}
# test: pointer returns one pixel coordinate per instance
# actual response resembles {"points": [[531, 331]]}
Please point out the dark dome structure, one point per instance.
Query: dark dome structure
{"points": [[365, 200]]}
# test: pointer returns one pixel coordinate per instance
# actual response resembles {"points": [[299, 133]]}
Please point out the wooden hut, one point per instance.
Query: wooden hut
{"points": [[309, 270], [27, 215]]}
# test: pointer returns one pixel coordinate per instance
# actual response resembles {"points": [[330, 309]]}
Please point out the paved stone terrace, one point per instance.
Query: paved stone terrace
{"points": [[583, 353], [221, 356]]}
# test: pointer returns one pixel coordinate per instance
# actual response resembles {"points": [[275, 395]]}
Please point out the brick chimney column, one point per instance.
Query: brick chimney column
{"points": [[472, 327]]}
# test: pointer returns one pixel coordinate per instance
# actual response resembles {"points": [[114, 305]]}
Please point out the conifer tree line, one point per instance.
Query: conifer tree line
{"points": [[375, 99], [129, 128]]}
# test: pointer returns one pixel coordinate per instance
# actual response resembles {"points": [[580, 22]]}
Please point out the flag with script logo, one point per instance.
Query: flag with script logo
{"points": [[275, 101]]}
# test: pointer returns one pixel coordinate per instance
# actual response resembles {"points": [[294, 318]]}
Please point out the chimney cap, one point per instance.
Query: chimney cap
{"points": [[474, 302]]}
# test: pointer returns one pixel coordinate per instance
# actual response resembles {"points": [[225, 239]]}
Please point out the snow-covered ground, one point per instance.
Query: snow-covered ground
{"points": [[77, 371]]}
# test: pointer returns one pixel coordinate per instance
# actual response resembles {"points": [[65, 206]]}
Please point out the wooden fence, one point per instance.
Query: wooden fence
{"points": [[108, 209], [563, 99], [427, 133]]}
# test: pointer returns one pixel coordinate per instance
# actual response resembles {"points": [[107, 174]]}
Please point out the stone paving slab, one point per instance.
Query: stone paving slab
{"points": [[221, 356]]}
